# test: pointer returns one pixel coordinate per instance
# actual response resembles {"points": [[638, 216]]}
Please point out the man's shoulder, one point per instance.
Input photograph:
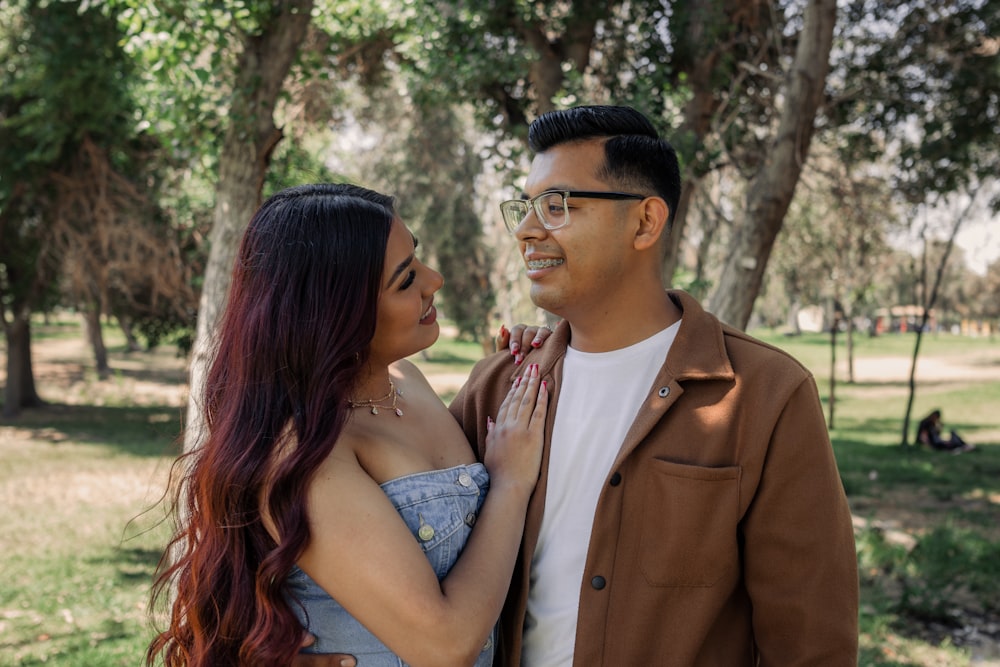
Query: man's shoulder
{"points": [[498, 364], [745, 349]]}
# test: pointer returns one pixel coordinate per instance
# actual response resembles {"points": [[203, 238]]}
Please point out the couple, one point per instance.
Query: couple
{"points": [[687, 511]]}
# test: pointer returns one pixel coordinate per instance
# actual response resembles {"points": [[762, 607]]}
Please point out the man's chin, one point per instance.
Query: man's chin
{"points": [[545, 299]]}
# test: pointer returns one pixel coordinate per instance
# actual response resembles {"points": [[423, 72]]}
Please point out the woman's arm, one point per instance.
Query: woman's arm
{"points": [[385, 581]]}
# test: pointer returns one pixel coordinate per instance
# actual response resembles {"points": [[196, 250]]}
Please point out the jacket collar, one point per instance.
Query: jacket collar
{"points": [[698, 351]]}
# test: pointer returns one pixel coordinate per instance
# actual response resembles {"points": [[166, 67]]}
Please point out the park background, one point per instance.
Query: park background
{"points": [[840, 201]]}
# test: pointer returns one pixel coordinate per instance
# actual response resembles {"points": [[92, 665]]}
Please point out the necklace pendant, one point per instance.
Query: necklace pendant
{"points": [[374, 410], [399, 413]]}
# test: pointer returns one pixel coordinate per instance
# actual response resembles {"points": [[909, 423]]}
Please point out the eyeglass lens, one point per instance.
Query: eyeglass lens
{"points": [[549, 207]]}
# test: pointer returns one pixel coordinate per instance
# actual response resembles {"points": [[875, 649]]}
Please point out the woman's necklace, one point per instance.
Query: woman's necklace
{"points": [[376, 403]]}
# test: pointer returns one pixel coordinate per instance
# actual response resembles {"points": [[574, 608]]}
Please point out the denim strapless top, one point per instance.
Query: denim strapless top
{"points": [[439, 507]]}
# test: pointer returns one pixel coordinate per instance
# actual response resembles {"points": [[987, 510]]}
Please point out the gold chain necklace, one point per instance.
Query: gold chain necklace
{"points": [[376, 403]]}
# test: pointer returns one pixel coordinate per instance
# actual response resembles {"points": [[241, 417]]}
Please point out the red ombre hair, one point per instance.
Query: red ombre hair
{"points": [[298, 321]]}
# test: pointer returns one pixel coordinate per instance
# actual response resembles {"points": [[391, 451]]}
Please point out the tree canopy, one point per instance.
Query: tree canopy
{"points": [[195, 110]]}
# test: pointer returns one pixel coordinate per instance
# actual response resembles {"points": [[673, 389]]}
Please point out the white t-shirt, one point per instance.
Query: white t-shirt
{"points": [[600, 396]]}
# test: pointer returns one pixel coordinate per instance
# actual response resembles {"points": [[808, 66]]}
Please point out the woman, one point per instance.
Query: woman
{"points": [[330, 466]]}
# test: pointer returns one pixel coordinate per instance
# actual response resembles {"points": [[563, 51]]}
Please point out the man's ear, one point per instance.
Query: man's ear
{"points": [[653, 214]]}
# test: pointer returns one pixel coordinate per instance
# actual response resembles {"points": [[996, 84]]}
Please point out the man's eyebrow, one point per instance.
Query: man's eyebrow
{"points": [[551, 188]]}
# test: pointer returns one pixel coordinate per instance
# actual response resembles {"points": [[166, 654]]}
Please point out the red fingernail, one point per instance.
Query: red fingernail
{"points": [[503, 330], [536, 343], [545, 384]]}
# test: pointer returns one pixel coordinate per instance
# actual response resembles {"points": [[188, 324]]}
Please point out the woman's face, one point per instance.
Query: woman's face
{"points": [[407, 318]]}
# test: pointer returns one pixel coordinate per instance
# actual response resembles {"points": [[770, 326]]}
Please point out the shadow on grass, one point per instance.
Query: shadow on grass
{"points": [[135, 430], [75, 647], [916, 478], [132, 565], [870, 469]]}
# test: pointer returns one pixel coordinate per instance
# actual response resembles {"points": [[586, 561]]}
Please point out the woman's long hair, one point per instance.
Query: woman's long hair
{"points": [[300, 315]]}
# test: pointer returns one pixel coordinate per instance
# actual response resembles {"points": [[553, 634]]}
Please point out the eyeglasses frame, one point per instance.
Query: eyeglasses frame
{"points": [[533, 203]]}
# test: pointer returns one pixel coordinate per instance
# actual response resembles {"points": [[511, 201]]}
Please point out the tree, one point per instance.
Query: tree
{"points": [[270, 42], [434, 177], [919, 77], [931, 277], [832, 243], [121, 255], [66, 83], [513, 61], [708, 70], [771, 189]]}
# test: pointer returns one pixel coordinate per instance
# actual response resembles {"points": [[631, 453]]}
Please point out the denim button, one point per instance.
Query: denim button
{"points": [[470, 519], [426, 531], [488, 644], [465, 479]]}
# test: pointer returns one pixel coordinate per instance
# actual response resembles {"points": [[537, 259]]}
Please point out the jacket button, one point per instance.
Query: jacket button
{"points": [[598, 582], [616, 479], [664, 392]]}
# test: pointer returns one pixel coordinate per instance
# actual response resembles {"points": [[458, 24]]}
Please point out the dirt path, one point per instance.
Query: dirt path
{"points": [[957, 368]]}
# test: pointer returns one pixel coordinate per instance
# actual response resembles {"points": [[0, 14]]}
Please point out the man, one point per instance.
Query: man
{"points": [[689, 510]]}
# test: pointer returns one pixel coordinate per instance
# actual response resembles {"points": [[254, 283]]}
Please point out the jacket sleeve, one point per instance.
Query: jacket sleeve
{"points": [[805, 612]]}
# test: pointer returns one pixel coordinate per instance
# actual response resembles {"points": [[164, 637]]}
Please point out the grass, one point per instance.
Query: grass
{"points": [[78, 551], [77, 559]]}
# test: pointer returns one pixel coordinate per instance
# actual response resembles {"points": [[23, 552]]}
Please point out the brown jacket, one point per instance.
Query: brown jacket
{"points": [[723, 536]]}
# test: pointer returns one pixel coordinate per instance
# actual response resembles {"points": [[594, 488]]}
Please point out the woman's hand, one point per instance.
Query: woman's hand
{"points": [[519, 338], [514, 441]]}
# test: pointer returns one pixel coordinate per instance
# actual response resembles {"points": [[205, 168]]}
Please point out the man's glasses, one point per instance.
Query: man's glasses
{"points": [[551, 208]]}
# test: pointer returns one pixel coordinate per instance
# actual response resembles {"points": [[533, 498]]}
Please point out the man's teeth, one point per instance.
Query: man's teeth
{"points": [[535, 264]]}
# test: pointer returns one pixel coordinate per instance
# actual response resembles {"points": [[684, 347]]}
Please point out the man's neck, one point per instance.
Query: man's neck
{"points": [[603, 332]]}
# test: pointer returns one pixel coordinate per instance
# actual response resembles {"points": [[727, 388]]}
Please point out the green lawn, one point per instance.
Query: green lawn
{"points": [[79, 546]]}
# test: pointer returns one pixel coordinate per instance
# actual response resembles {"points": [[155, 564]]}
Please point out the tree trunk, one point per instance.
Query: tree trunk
{"points": [[20, 389], [705, 65], [573, 45], [672, 259], [770, 192], [793, 315], [131, 342], [931, 293], [243, 163], [833, 371], [95, 338], [850, 347]]}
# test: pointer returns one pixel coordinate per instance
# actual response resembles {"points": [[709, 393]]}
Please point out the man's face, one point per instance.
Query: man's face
{"points": [[576, 269]]}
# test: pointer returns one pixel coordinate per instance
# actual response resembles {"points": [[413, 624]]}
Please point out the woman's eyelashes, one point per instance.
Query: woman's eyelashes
{"points": [[408, 280]]}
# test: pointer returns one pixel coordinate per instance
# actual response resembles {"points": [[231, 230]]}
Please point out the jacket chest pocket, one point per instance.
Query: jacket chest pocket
{"points": [[689, 524]]}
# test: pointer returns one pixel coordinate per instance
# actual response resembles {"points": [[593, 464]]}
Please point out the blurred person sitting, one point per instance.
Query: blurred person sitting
{"points": [[929, 433]]}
